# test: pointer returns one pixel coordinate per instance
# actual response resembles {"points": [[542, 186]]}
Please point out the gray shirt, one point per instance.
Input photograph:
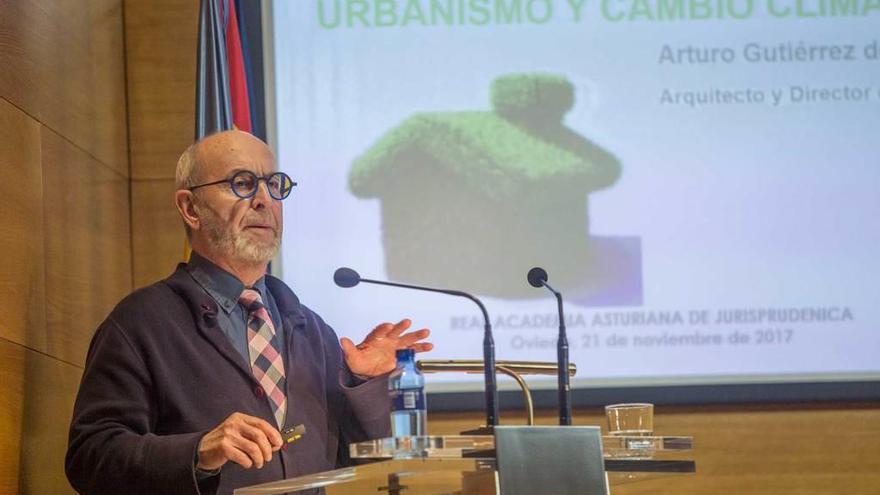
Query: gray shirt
{"points": [[225, 289]]}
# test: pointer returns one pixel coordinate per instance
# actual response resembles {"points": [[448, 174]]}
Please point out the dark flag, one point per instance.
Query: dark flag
{"points": [[213, 103], [227, 80], [238, 74]]}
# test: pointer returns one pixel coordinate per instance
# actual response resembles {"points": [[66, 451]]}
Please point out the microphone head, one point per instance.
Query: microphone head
{"points": [[537, 276], [346, 277]]}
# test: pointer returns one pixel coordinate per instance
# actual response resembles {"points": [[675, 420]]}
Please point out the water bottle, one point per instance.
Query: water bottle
{"points": [[406, 385]]}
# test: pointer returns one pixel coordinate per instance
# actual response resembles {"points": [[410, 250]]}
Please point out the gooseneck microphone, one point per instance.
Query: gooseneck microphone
{"points": [[346, 278], [537, 277]]}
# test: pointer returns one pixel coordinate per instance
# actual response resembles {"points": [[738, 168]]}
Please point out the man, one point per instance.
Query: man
{"points": [[189, 382]]}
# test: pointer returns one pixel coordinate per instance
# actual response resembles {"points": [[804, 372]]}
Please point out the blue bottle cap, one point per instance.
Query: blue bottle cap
{"points": [[405, 354]]}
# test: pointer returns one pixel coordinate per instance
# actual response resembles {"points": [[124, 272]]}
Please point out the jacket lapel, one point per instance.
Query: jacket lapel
{"points": [[204, 310]]}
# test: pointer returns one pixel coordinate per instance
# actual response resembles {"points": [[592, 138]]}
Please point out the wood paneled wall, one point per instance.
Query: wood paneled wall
{"points": [[65, 239], [161, 54], [804, 449]]}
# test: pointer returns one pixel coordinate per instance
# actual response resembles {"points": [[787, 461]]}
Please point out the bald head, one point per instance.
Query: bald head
{"points": [[213, 152]]}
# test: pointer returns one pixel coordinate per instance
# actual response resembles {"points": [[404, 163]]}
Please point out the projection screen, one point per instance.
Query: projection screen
{"points": [[700, 179]]}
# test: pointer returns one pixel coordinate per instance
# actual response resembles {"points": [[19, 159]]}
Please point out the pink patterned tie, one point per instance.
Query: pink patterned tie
{"points": [[264, 350]]}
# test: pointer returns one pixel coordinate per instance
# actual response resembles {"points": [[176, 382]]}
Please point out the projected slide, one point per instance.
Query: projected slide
{"points": [[701, 180]]}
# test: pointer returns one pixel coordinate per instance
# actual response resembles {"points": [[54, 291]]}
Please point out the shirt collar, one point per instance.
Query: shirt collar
{"points": [[221, 285]]}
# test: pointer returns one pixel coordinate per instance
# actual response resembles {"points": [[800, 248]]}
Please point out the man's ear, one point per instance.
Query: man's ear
{"points": [[185, 203]]}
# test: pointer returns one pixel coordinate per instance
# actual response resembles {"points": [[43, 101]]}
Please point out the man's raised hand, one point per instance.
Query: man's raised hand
{"points": [[376, 354]]}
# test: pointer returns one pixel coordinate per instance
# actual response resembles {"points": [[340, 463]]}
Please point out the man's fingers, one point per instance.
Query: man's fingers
{"points": [[245, 440], [400, 327], [422, 347], [269, 432], [381, 331], [347, 345], [251, 449], [260, 438], [236, 455], [413, 337]]}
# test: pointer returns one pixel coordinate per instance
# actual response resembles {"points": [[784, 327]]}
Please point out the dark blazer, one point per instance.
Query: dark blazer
{"points": [[160, 374]]}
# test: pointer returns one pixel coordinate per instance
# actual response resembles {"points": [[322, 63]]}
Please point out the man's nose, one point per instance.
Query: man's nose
{"points": [[261, 197]]}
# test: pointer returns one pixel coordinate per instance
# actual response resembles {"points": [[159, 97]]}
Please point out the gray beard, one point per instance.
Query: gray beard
{"points": [[236, 245]]}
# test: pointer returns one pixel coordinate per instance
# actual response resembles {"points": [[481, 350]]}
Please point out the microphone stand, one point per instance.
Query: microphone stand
{"points": [[563, 380], [537, 277], [350, 278]]}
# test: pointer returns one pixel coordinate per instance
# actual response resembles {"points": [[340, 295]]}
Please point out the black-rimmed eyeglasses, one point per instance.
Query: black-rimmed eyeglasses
{"points": [[245, 183]]}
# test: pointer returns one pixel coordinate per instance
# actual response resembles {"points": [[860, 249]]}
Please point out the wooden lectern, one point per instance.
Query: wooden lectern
{"points": [[516, 460]]}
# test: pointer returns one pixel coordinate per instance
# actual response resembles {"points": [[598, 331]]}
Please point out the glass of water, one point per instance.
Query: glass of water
{"points": [[631, 420]]}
